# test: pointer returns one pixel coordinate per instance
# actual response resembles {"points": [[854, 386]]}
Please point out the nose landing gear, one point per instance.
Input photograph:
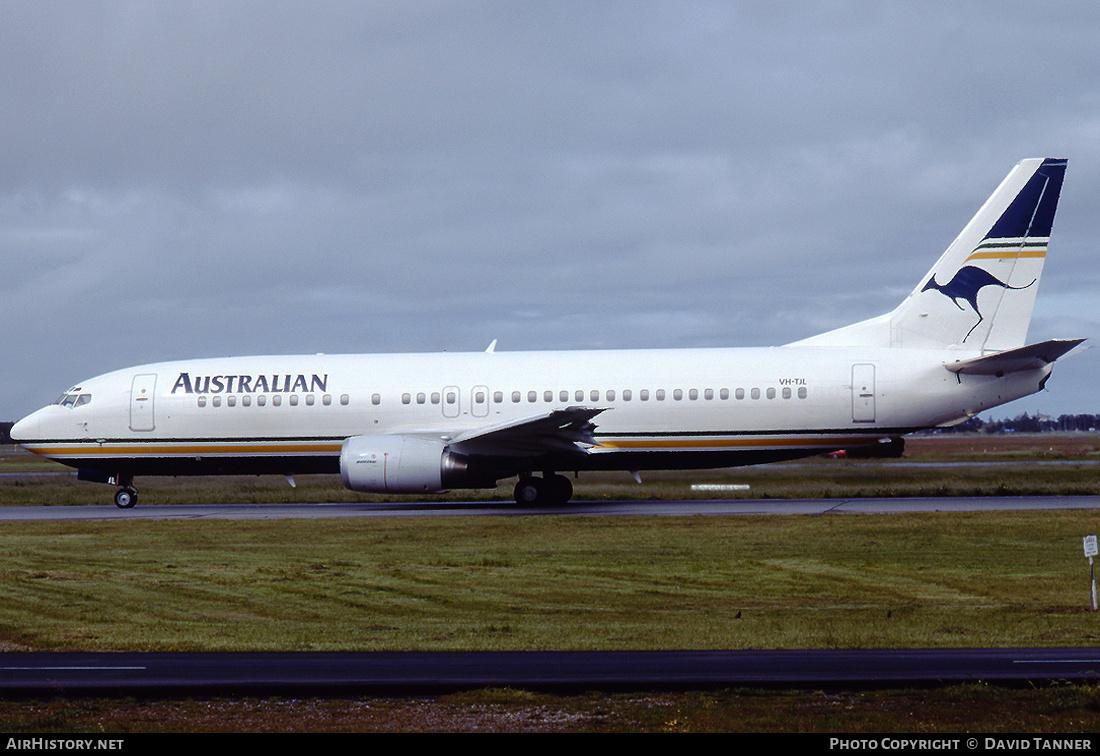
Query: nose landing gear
{"points": [[126, 498]]}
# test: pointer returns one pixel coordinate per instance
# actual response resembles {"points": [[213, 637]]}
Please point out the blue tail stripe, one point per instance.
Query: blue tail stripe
{"points": [[1031, 213]]}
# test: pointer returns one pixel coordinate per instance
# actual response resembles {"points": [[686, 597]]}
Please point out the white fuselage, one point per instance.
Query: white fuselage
{"points": [[662, 409]]}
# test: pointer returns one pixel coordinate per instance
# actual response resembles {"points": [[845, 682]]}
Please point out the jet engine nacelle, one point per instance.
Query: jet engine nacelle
{"points": [[401, 464]]}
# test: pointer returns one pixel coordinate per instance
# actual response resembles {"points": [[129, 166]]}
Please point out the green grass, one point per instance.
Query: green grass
{"points": [[937, 579], [912, 580]]}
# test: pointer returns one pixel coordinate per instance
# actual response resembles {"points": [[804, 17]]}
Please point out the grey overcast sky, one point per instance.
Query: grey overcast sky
{"points": [[192, 179]]}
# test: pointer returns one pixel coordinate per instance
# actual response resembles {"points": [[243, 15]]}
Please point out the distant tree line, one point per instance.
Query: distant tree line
{"points": [[1025, 423]]}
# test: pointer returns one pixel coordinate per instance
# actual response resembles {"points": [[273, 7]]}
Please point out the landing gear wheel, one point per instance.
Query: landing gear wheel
{"points": [[558, 490], [547, 491], [528, 492], [125, 498]]}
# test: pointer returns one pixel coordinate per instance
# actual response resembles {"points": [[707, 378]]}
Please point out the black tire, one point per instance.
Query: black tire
{"points": [[548, 491], [125, 498], [559, 490], [528, 492]]}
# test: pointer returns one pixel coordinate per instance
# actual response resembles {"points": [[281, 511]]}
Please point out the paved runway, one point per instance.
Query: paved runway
{"points": [[439, 508], [133, 674]]}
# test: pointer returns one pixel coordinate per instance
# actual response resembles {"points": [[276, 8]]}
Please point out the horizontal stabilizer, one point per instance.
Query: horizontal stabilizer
{"points": [[1030, 357]]}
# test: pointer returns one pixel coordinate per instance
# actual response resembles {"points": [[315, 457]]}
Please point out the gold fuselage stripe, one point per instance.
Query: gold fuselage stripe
{"points": [[832, 442], [183, 450], [153, 449]]}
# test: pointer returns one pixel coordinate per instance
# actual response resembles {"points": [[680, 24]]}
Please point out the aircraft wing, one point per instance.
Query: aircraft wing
{"points": [[1030, 357], [569, 430]]}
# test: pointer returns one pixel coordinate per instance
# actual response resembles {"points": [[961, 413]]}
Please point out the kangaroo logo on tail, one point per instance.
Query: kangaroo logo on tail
{"points": [[965, 285]]}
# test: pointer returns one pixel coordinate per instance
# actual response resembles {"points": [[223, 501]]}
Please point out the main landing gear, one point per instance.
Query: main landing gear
{"points": [[551, 490]]}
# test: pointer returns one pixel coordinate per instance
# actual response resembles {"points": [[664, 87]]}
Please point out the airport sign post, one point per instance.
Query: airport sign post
{"points": [[1090, 552]]}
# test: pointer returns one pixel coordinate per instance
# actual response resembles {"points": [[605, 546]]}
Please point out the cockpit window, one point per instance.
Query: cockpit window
{"points": [[74, 400]]}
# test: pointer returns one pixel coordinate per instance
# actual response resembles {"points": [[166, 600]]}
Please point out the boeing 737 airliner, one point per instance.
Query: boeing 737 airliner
{"points": [[427, 423]]}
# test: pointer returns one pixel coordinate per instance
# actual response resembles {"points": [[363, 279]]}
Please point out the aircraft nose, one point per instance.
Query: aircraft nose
{"points": [[25, 430]]}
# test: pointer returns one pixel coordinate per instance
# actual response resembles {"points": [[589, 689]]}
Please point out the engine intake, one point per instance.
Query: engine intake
{"points": [[402, 464]]}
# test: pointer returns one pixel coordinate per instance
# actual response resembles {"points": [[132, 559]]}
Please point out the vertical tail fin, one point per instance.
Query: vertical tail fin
{"points": [[980, 293]]}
